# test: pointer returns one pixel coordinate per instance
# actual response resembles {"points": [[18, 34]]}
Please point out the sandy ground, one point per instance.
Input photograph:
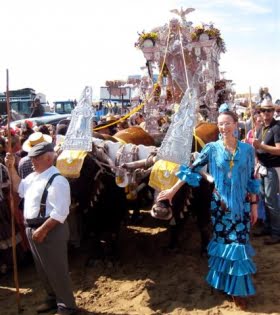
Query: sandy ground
{"points": [[150, 280]]}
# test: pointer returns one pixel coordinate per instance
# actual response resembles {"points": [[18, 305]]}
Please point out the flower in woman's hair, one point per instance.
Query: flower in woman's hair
{"points": [[224, 108]]}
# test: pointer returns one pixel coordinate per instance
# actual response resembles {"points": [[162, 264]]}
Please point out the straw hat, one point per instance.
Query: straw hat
{"points": [[266, 104], [110, 118], [35, 138]]}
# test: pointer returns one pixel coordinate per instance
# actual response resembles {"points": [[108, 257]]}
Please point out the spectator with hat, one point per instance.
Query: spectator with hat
{"points": [[45, 213], [267, 145]]}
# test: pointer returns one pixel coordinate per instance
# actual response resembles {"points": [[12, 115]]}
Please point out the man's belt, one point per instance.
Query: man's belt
{"points": [[35, 223]]}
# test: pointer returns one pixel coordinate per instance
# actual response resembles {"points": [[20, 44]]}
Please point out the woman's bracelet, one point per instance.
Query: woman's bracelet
{"points": [[253, 202]]}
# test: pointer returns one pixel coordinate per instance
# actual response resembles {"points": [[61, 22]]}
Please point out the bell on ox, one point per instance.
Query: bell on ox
{"points": [[79, 133], [122, 178]]}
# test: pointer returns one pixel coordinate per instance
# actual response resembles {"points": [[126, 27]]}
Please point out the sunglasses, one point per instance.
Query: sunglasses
{"points": [[263, 110]]}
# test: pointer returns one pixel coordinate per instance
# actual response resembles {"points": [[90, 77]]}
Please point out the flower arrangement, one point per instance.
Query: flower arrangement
{"points": [[143, 36], [212, 32], [220, 85]]}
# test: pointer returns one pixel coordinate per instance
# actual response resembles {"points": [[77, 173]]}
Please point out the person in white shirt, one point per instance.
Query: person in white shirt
{"points": [[277, 110], [46, 227]]}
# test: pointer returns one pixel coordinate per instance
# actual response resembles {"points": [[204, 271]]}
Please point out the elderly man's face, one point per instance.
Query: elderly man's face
{"points": [[42, 162]]}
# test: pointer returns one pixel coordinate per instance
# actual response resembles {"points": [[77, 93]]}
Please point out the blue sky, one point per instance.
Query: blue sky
{"points": [[57, 46]]}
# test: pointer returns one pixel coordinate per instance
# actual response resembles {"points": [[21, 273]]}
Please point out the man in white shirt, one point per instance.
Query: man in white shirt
{"points": [[46, 228], [277, 110]]}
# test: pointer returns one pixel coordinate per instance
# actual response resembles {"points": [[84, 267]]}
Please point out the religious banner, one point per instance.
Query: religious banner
{"points": [[177, 144], [79, 133]]}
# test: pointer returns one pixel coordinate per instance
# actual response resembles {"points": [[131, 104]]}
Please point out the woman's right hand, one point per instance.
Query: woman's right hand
{"points": [[167, 194]]}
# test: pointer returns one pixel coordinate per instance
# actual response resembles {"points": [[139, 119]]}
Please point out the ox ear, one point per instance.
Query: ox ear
{"points": [[122, 179]]}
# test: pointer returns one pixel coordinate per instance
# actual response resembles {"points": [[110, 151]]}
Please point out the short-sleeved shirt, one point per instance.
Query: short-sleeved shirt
{"points": [[269, 135], [58, 200]]}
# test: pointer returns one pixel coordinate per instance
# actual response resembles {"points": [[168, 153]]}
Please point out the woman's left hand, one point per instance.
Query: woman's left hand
{"points": [[254, 213]]}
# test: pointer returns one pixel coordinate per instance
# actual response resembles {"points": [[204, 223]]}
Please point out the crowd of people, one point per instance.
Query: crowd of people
{"points": [[245, 165]]}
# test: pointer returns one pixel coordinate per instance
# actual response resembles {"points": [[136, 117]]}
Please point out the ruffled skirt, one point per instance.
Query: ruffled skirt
{"points": [[231, 267], [230, 253]]}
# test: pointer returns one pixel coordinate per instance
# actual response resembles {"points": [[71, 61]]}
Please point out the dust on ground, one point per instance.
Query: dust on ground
{"points": [[149, 279]]}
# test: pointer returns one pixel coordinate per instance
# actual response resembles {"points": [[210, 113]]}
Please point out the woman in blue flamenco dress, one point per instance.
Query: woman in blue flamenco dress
{"points": [[233, 208]]}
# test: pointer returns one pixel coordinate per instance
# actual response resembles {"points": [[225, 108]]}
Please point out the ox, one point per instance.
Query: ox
{"points": [[199, 207], [99, 206], [103, 204]]}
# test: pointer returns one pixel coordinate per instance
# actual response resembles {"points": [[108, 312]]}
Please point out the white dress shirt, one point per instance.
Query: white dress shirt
{"points": [[58, 200]]}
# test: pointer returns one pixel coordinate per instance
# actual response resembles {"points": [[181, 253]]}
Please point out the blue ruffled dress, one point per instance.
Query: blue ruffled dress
{"points": [[230, 252]]}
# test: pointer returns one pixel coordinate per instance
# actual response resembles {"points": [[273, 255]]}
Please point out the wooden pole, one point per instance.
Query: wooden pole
{"points": [[12, 204]]}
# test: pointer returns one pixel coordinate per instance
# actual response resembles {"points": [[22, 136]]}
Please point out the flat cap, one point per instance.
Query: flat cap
{"points": [[40, 149]]}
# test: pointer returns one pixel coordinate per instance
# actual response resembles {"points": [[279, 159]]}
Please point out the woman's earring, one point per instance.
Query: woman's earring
{"points": [[235, 133], [220, 136]]}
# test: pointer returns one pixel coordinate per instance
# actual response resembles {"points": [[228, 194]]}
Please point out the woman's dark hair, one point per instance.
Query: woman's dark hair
{"points": [[44, 129], [231, 114], [61, 129]]}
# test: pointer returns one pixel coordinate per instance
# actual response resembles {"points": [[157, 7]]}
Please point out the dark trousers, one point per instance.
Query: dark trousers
{"points": [[51, 262], [269, 191]]}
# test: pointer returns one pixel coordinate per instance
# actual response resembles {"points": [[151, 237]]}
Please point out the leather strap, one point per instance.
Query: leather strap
{"points": [[42, 212]]}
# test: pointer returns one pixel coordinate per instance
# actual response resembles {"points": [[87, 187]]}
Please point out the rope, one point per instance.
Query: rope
{"points": [[184, 60]]}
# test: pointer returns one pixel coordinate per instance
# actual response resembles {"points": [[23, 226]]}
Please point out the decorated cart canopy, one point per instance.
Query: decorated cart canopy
{"points": [[187, 58]]}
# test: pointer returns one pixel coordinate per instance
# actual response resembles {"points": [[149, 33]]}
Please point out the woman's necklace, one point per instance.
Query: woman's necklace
{"points": [[232, 150]]}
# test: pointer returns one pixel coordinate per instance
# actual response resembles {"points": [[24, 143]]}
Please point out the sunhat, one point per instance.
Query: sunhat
{"points": [[35, 138], [266, 104]]}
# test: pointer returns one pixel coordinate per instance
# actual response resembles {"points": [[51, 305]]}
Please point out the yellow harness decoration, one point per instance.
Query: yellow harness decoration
{"points": [[70, 163], [197, 141], [163, 175], [119, 140]]}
